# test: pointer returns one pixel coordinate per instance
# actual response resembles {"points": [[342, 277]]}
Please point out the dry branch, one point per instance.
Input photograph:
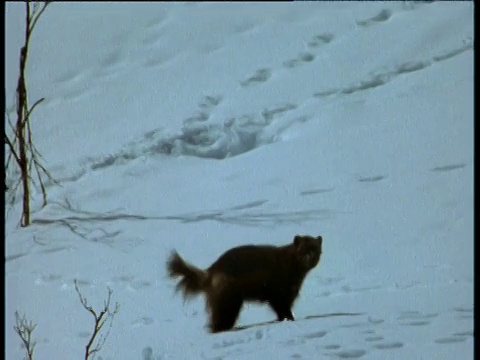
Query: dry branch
{"points": [[22, 148], [24, 329], [100, 320]]}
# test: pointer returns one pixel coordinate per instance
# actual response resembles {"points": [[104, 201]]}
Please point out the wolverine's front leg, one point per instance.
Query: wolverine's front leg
{"points": [[289, 316], [282, 308]]}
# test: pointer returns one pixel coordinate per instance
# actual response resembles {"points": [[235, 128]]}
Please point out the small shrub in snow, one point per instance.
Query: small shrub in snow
{"points": [[24, 329], [100, 320]]}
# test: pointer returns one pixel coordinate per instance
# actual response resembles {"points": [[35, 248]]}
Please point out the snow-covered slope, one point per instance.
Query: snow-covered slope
{"points": [[203, 126]]}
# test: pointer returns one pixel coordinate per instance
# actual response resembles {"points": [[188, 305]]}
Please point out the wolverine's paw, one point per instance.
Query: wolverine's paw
{"points": [[288, 317]]}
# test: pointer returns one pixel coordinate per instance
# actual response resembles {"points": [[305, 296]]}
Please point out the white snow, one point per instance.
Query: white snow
{"points": [[203, 126]]}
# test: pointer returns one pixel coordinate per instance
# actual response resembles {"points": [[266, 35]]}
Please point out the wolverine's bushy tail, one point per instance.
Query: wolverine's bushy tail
{"points": [[194, 279]]}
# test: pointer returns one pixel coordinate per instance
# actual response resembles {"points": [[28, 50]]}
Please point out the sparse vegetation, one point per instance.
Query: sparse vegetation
{"points": [[21, 147], [100, 320], [24, 329]]}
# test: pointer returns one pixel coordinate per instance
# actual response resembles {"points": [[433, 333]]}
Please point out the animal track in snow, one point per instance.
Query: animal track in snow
{"points": [[450, 339], [319, 40], [325, 93], [373, 341], [332, 347], [388, 346], [374, 338], [375, 321], [384, 77], [315, 191], [70, 76], [206, 106], [15, 256], [233, 215], [143, 321], [315, 335], [307, 57], [260, 76], [300, 60], [153, 31], [445, 55], [270, 114], [371, 178], [201, 137], [130, 283], [464, 333], [412, 5], [373, 82], [77, 92], [463, 313], [244, 27], [151, 39], [48, 278], [416, 318], [210, 101], [449, 167], [158, 59], [114, 58], [350, 354], [411, 66], [382, 16]]}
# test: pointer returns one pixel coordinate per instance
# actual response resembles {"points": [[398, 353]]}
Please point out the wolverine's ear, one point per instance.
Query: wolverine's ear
{"points": [[297, 240], [320, 239]]}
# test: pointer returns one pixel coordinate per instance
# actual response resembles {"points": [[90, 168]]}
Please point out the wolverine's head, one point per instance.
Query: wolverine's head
{"points": [[308, 250]]}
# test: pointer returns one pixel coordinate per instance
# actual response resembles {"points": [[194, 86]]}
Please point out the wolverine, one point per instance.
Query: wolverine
{"points": [[261, 273]]}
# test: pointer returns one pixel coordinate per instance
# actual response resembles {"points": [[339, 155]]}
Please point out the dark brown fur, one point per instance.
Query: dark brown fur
{"points": [[249, 273]]}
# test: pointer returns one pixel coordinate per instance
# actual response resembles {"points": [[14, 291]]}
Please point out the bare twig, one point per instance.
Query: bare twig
{"points": [[10, 143], [24, 329], [27, 116], [42, 186], [34, 18], [100, 320], [12, 150]]}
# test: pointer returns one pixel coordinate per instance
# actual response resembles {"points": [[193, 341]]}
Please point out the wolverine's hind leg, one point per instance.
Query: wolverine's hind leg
{"points": [[224, 306]]}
